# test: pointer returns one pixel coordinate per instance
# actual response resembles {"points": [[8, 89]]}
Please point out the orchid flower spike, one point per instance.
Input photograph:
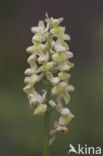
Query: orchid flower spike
{"points": [[49, 63]]}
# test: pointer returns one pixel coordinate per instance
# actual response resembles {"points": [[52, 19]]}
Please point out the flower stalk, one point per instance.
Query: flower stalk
{"points": [[50, 64], [46, 133]]}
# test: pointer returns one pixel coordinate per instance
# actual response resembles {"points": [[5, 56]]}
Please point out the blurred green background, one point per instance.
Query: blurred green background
{"points": [[21, 133]]}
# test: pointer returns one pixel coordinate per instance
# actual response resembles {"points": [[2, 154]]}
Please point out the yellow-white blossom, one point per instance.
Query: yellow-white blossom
{"points": [[36, 99], [41, 109], [65, 117], [49, 62]]}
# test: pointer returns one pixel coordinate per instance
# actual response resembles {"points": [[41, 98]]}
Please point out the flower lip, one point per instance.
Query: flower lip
{"points": [[41, 109]]}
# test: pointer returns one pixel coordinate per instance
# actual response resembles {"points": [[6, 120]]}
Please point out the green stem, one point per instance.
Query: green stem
{"points": [[46, 134], [47, 124], [47, 114]]}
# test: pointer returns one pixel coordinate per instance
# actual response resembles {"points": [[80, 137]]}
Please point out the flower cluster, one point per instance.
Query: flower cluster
{"points": [[49, 64]]}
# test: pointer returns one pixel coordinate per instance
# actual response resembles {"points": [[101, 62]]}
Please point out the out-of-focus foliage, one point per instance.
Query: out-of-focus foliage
{"points": [[20, 132]]}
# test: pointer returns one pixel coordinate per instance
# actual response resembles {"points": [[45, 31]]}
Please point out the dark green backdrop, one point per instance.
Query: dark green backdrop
{"points": [[21, 133]]}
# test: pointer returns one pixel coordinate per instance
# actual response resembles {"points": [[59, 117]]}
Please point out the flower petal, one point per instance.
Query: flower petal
{"points": [[41, 109]]}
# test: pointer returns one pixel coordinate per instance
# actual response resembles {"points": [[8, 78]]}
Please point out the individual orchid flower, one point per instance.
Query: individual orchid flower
{"points": [[66, 116]]}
